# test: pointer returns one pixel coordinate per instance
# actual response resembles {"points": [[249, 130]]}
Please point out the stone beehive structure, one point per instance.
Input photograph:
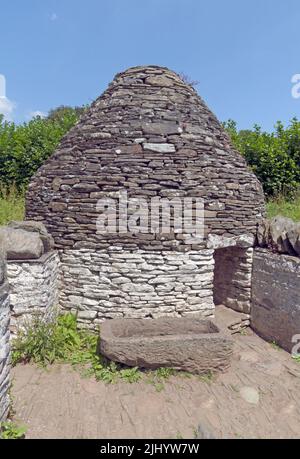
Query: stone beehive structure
{"points": [[151, 135]]}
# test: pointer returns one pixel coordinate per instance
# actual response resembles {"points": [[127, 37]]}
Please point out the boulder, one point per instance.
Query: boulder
{"points": [[263, 233], [20, 244], [280, 234], [294, 237], [35, 227], [279, 227]]}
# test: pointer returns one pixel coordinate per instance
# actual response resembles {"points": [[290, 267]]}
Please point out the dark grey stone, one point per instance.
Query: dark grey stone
{"points": [[275, 312]]}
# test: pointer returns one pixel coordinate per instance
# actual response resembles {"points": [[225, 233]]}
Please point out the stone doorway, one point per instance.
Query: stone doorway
{"points": [[232, 278]]}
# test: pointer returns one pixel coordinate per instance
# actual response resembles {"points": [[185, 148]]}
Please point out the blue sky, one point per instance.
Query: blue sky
{"points": [[243, 52]]}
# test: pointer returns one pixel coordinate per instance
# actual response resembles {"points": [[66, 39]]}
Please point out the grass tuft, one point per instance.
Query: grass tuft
{"points": [[285, 207], [12, 205]]}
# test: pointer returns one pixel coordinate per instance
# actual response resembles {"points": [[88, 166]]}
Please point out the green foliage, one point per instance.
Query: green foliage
{"points": [[63, 111], [60, 341], [11, 431], [274, 157], [158, 377], [12, 205], [45, 343], [24, 148]]}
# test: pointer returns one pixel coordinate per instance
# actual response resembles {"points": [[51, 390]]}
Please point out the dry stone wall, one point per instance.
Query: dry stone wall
{"points": [[275, 313], [280, 235], [115, 283], [33, 288], [232, 281], [4, 339]]}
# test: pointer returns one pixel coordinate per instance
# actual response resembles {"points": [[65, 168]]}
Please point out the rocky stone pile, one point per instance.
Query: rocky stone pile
{"points": [[281, 235]]}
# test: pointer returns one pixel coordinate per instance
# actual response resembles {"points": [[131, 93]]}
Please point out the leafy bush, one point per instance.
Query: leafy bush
{"points": [[24, 148], [274, 157]]}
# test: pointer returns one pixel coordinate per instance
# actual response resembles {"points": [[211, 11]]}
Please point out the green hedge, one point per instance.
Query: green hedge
{"points": [[24, 148], [274, 157]]}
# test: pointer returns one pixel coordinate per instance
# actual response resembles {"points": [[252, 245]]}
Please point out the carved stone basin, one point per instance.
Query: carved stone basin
{"points": [[190, 344]]}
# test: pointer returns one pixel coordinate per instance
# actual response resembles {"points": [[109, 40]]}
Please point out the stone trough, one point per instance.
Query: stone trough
{"points": [[189, 344]]}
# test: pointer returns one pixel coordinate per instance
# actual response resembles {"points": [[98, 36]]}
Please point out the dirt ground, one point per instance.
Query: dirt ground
{"points": [[259, 397]]}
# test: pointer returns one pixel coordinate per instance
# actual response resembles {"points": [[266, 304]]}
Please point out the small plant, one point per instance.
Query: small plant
{"points": [[46, 342], [275, 346], [60, 341], [159, 376], [11, 431], [207, 377]]}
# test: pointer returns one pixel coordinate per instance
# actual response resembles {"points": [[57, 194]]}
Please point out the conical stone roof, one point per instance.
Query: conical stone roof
{"points": [[150, 134]]}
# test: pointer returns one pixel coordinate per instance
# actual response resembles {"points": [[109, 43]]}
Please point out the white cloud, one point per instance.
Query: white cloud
{"points": [[2, 86], [36, 113], [6, 108], [53, 17]]}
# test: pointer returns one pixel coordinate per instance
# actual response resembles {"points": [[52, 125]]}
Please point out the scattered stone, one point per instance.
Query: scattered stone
{"points": [[203, 433], [250, 395]]}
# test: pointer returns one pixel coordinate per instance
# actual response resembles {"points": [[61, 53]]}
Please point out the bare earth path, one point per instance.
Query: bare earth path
{"points": [[59, 403]]}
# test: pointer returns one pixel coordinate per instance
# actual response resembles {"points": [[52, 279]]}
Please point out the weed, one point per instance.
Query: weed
{"points": [[275, 346], [12, 205], [60, 341], [11, 431], [206, 377]]}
